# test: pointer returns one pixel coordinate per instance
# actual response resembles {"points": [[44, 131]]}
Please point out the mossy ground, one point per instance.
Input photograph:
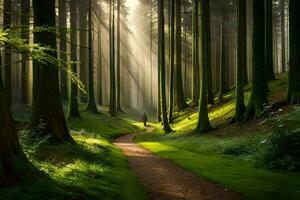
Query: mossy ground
{"points": [[92, 168], [226, 156]]}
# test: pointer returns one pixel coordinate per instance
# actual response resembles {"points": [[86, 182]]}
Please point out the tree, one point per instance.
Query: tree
{"points": [[283, 45], [112, 104], [258, 99], [269, 40], [47, 111], [203, 124], [83, 55], [171, 57], [14, 166], [195, 52], [7, 52], [73, 91], [119, 107], [294, 62], [62, 7], [25, 20], [161, 63], [91, 104], [181, 104], [242, 60]]}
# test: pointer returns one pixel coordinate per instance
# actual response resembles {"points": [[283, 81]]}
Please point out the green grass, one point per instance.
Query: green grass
{"points": [[206, 155], [92, 168]]}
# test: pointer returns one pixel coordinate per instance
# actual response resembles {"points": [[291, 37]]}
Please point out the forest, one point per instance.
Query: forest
{"points": [[150, 99]]}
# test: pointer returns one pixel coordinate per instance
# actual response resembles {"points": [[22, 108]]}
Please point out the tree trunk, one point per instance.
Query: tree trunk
{"points": [[242, 60], [294, 72], [269, 40], [73, 92], [119, 107], [195, 53], [14, 166], [210, 93], [171, 57], [7, 52], [83, 7], [47, 111], [222, 60], [63, 47], [181, 104], [100, 96], [162, 65], [112, 105], [283, 60], [258, 99], [25, 21], [203, 125], [91, 104]]}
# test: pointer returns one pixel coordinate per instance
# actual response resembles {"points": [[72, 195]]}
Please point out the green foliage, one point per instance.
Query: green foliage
{"points": [[91, 168], [280, 149]]}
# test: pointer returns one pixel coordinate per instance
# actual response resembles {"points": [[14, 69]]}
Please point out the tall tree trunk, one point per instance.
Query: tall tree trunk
{"points": [[171, 57], [159, 109], [181, 104], [100, 96], [119, 107], [258, 99], [283, 60], [112, 104], [91, 104], [83, 8], [7, 52], [63, 46], [73, 92], [294, 72], [241, 59], [203, 125], [47, 111], [210, 93], [162, 64], [25, 21], [269, 40], [14, 166], [222, 60], [195, 52]]}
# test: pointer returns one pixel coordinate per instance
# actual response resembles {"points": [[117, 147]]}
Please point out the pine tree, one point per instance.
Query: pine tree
{"points": [[171, 57], [258, 99], [73, 91], [294, 62], [91, 104], [181, 104], [269, 40], [162, 65], [47, 111], [203, 125], [195, 52], [242, 60]]}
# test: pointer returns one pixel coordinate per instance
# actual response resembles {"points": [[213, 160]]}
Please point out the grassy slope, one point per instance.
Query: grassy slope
{"points": [[205, 156], [90, 169]]}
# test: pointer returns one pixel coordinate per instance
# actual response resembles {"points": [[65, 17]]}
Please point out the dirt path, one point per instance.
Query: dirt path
{"points": [[165, 180]]}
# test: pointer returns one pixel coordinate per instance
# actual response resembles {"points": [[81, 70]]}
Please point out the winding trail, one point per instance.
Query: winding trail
{"points": [[167, 181]]}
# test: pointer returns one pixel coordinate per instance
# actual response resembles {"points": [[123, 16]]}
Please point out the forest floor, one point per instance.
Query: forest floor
{"points": [[229, 155], [165, 180]]}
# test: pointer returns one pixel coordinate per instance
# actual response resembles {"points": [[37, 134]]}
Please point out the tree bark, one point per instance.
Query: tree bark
{"points": [[203, 125], [294, 72], [181, 104], [171, 57], [47, 111], [195, 52], [269, 40], [258, 99], [162, 65], [73, 91]]}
